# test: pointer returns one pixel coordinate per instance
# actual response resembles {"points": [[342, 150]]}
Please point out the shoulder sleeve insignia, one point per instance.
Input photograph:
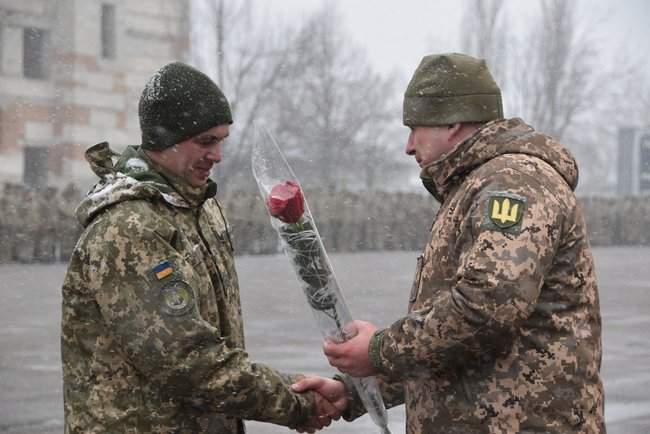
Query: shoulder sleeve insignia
{"points": [[177, 298], [504, 211], [162, 270]]}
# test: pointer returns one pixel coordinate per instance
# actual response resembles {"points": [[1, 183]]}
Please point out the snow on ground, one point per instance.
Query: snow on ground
{"points": [[281, 331]]}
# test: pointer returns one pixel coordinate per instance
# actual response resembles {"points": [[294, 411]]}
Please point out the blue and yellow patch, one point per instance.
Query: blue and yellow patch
{"points": [[163, 270]]}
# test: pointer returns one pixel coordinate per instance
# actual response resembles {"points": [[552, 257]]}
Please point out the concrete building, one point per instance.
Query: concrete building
{"points": [[71, 73]]}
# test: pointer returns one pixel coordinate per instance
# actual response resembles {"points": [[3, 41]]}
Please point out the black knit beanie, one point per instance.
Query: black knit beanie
{"points": [[177, 103]]}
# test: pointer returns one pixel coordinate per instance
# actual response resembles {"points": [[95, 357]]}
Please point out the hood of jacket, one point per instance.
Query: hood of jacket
{"points": [[132, 175], [494, 139]]}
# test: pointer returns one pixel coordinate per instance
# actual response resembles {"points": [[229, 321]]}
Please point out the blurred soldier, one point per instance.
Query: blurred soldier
{"points": [[46, 235], [13, 219], [69, 228], [25, 223], [152, 334], [352, 228], [503, 333], [6, 237]]}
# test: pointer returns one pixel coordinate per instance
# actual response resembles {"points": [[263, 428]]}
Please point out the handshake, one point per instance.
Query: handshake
{"points": [[331, 401], [332, 396]]}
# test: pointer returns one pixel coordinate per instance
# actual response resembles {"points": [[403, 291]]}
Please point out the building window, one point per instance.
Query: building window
{"points": [[108, 31], [34, 53]]}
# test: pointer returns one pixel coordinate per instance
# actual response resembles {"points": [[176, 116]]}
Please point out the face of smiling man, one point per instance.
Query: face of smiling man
{"points": [[193, 159]]}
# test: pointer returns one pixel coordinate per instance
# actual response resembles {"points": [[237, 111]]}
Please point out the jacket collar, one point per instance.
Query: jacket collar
{"points": [[194, 196], [496, 138], [134, 176]]}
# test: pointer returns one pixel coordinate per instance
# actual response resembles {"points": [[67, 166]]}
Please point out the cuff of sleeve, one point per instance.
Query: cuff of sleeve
{"points": [[307, 405], [306, 402], [374, 350], [355, 407]]}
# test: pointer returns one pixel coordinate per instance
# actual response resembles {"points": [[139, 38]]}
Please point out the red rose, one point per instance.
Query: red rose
{"points": [[285, 202]]}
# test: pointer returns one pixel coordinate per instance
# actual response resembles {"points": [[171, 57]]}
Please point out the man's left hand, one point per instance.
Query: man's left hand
{"points": [[351, 357]]}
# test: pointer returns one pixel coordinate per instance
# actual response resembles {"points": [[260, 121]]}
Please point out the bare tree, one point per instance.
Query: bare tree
{"points": [[645, 107], [487, 39], [551, 78], [631, 99], [248, 61], [336, 114], [555, 78]]}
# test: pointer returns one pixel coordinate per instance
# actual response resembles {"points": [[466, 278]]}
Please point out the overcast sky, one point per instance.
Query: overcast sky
{"points": [[397, 34]]}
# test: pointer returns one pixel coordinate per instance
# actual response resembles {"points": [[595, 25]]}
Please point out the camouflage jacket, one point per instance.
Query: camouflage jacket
{"points": [[152, 337], [503, 333]]}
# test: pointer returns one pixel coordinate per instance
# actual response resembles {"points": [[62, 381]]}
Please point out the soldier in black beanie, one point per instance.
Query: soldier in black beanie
{"points": [[179, 102], [152, 332]]}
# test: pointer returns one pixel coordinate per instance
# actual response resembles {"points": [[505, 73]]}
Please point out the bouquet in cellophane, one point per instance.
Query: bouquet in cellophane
{"points": [[301, 242]]}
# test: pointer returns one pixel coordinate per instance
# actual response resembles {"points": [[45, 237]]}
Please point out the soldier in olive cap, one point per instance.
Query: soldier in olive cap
{"points": [[152, 337], [503, 331]]}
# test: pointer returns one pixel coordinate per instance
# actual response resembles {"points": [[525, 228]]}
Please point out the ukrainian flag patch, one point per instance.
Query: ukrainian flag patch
{"points": [[163, 270]]}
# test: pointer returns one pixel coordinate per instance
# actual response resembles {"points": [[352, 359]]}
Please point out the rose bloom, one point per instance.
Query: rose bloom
{"points": [[285, 202]]}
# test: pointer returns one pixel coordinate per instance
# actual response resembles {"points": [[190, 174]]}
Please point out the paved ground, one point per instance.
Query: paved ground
{"points": [[281, 331]]}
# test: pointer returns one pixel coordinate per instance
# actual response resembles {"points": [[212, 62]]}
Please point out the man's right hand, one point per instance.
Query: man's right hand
{"points": [[331, 400]]}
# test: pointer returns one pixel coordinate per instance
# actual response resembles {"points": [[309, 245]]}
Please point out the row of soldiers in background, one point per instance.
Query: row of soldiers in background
{"points": [[347, 222], [40, 226], [37, 225], [617, 221], [351, 222]]}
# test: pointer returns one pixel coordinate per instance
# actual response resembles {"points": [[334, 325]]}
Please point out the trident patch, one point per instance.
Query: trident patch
{"points": [[505, 212]]}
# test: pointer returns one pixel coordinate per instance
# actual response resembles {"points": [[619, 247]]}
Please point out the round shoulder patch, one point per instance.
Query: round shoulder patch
{"points": [[176, 298]]}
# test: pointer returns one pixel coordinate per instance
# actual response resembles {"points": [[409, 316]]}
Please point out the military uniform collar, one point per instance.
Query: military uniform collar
{"points": [[442, 175], [194, 196]]}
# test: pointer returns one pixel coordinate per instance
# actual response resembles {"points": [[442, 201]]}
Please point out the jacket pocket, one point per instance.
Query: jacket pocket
{"points": [[415, 289]]}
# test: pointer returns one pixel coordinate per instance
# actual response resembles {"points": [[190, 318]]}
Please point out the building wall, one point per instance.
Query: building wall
{"points": [[84, 97]]}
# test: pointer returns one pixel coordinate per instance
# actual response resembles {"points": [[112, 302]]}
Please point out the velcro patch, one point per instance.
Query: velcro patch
{"points": [[176, 298], [162, 270], [504, 211]]}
